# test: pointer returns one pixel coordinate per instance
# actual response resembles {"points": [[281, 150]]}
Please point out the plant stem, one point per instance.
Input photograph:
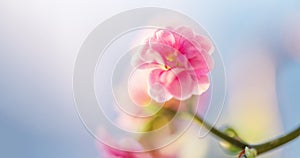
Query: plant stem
{"points": [[220, 134], [264, 147], [260, 148]]}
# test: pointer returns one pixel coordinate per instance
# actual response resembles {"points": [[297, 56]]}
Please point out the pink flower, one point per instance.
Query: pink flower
{"points": [[179, 61], [111, 152], [132, 145], [115, 153]]}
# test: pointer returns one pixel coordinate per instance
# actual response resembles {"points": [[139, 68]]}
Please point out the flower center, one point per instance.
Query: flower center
{"points": [[166, 67], [171, 57]]}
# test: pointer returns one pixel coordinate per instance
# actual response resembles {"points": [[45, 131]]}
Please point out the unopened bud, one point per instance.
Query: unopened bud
{"points": [[248, 153]]}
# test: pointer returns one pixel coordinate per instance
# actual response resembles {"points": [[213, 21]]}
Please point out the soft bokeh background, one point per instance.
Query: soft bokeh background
{"points": [[39, 41]]}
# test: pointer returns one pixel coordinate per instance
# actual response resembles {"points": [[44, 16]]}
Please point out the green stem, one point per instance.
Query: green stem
{"points": [[264, 147], [260, 148], [220, 134]]}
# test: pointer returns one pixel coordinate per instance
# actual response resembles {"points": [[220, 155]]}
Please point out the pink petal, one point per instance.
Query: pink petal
{"points": [[161, 48], [182, 86], [155, 76], [138, 93], [165, 37], [185, 32], [159, 93], [199, 72], [168, 76], [202, 85], [204, 43], [201, 61], [147, 55], [157, 90], [148, 65]]}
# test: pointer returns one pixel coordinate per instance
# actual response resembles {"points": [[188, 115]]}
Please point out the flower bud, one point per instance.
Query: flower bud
{"points": [[228, 147], [248, 153]]}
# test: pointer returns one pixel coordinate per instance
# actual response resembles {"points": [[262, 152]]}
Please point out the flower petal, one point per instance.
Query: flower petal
{"points": [[202, 85], [157, 90], [182, 86], [146, 56], [165, 36], [159, 93]]}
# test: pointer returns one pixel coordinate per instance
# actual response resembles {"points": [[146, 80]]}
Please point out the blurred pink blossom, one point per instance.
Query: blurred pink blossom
{"points": [[112, 152], [179, 61], [118, 150]]}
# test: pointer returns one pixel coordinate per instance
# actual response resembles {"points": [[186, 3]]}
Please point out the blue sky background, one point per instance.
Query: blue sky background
{"points": [[39, 41]]}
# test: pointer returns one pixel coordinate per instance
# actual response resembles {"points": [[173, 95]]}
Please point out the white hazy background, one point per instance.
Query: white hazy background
{"points": [[39, 41]]}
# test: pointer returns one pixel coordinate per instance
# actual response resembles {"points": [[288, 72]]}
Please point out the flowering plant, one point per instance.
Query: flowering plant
{"points": [[179, 61], [174, 64]]}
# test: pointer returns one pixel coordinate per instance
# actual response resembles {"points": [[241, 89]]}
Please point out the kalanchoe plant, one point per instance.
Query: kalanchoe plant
{"points": [[179, 63], [176, 64]]}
